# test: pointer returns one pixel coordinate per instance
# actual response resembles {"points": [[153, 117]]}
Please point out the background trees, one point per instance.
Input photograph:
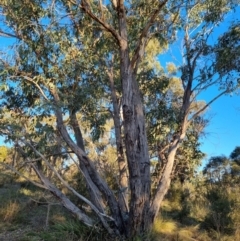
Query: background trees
{"points": [[82, 84]]}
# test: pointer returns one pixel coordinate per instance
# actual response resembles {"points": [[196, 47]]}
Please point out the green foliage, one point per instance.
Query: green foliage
{"points": [[222, 184], [220, 209], [228, 51]]}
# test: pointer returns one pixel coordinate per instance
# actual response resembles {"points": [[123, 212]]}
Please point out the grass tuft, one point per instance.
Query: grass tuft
{"points": [[188, 233], [164, 226], [10, 211]]}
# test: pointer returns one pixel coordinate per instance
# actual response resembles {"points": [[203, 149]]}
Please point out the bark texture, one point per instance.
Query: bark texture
{"points": [[122, 167]]}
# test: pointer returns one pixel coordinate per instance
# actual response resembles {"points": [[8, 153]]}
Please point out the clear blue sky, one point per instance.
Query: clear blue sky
{"points": [[223, 131]]}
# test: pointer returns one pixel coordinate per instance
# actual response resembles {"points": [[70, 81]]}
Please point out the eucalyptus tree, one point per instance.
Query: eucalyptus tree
{"points": [[223, 170], [83, 62]]}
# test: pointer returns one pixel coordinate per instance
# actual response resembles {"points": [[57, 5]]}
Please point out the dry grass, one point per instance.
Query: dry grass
{"points": [[164, 226], [237, 234], [188, 233], [164, 230], [168, 230], [10, 212]]}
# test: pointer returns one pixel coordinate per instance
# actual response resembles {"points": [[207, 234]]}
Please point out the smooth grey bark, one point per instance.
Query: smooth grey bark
{"points": [[164, 184]]}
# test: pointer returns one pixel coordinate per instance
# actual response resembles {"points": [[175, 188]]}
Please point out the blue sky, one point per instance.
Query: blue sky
{"points": [[223, 131]]}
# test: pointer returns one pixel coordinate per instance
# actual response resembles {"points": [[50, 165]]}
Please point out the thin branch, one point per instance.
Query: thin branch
{"points": [[163, 149], [37, 85], [194, 62], [208, 104], [8, 35], [86, 8], [144, 33], [206, 85], [23, 75], [53, 155]]}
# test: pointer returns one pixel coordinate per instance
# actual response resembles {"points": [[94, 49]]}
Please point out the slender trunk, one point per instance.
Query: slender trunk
{"points": [[122, 167], [94, 192], [165, 180], [164, 183]]}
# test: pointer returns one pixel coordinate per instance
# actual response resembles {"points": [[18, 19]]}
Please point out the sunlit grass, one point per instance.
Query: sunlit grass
{"points": [[10, 211], [199, 212], [169, 230], [166, 206], [188, 233], [237, 234], [203, 236], [164, 226]]}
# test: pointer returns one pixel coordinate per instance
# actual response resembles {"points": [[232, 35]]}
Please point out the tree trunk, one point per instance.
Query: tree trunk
{"points": [[164, 184], [165, 180], [94, 192], [135, 138], [122, 167], [135, 135]]}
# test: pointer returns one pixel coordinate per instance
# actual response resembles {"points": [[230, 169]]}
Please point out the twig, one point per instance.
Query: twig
{"points": [[37, 85]]}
